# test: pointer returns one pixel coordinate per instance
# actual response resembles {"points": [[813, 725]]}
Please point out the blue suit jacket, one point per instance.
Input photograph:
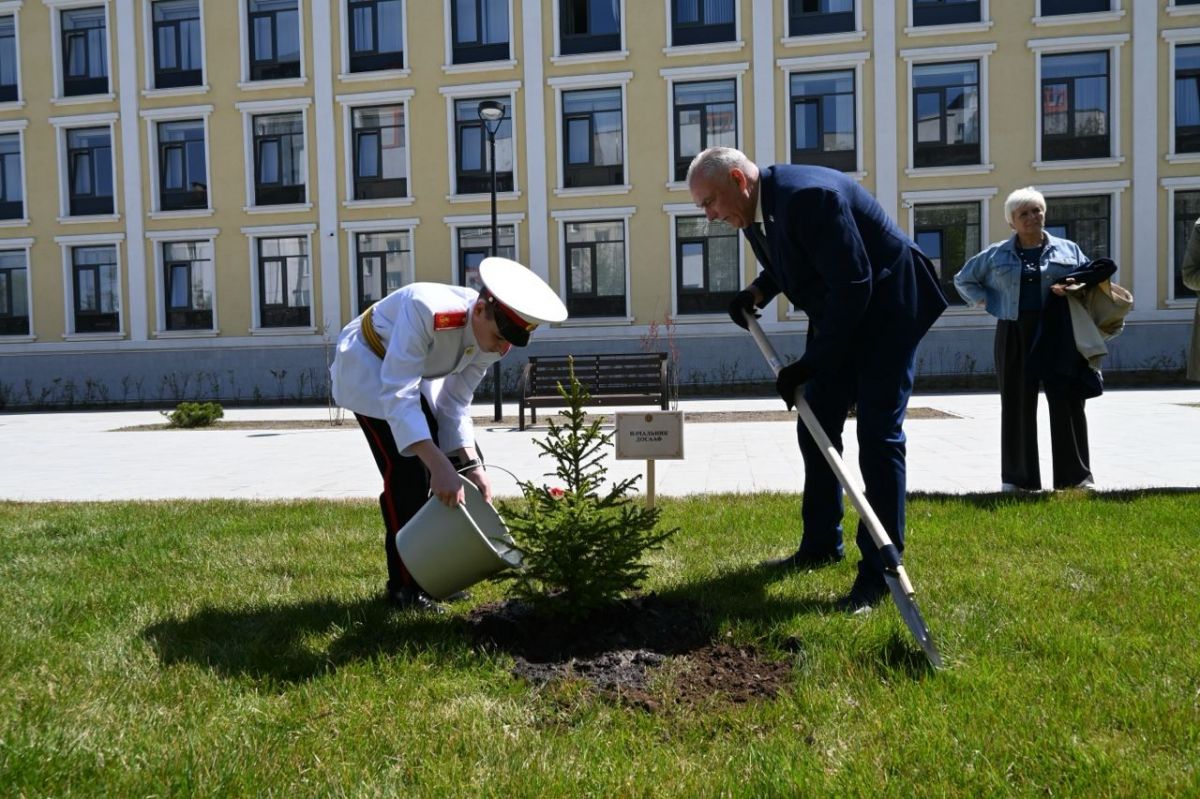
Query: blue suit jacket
{"points": [[837, 256]]}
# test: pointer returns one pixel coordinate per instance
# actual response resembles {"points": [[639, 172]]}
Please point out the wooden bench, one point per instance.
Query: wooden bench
{"points": [[610, 378]]}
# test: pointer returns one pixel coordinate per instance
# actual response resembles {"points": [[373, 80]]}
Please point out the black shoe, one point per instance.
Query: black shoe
{"points": [[457, 596], [409, 597], [802, 561], [864, 595]]}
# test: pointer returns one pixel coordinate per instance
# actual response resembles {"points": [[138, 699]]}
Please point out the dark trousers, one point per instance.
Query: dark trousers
{"points": [[1018, 414], [878, 382], [405, 487]]}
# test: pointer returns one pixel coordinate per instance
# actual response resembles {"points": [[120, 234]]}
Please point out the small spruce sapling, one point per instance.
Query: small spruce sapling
{"points": [[581, 549]]}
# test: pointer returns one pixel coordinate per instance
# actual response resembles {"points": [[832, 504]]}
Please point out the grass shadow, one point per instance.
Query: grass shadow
{"points": [[296, 642], [996, 499]]}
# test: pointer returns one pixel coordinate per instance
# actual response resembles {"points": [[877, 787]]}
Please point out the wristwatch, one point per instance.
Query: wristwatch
{"points": [[468, 466]]}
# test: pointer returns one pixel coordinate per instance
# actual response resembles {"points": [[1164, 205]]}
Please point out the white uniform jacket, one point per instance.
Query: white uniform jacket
{"points": [[431, 350]]}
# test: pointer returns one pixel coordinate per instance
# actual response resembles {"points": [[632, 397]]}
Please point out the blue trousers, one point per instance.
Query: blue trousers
{"points": [[877, 380]]}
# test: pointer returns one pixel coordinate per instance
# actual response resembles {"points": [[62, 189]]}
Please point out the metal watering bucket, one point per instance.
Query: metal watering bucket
{"points": [[448, 549]]}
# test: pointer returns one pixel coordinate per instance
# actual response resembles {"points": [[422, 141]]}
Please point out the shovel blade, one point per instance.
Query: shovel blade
{"points": [[913, 618]]}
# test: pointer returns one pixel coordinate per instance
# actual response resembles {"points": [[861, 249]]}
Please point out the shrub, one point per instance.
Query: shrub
{"points": [[194, 414], [581, 550]]}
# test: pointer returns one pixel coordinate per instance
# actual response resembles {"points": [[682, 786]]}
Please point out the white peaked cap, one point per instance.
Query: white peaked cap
{"points": [[521, 291]]}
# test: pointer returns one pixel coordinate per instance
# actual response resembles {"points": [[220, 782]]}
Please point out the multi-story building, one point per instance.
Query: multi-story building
{"points": [[198, 194]]}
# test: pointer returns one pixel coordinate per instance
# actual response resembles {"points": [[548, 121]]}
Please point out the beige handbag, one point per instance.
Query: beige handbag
{"points": [[1097, 315]]}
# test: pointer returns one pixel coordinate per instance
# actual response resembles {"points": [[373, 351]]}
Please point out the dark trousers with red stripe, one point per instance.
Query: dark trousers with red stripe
{"points": [[405, 487]]}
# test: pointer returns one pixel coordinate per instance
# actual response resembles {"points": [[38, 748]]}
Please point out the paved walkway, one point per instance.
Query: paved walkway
{"points": [[1139, 438]]}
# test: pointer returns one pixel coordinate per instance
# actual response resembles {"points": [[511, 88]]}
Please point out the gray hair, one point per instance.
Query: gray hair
{"points": [[715, 161], [1021, 198]]}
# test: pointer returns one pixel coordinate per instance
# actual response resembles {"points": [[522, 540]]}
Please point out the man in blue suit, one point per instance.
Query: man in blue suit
{"points": [[870, 295]]}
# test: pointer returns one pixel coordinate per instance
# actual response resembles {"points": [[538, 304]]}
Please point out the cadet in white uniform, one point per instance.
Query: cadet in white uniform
{"points": [[408, 368]]}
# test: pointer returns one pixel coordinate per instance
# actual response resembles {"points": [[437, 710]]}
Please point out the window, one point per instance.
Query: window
{"points": [[274, 39], [480, 30], [814, 17], [946, 114], [12, 194], [707, 265], [8, 59], [85, 51], [284, 282], [14, 293], [473, 172], [380, 156], [1187, 211], [188, 280], [945, 12], [475, 244], [178, 56], [596, 267], [589, 26], [97, 289], [384, 264], [823, 124], [1083, 220], [280, 166], [701, 22], [949, 233], [592, 136], [1075, 106], [376, 35], [182, 171], [705, 116], [1055, 7], [90, 171], [1187, 98]]}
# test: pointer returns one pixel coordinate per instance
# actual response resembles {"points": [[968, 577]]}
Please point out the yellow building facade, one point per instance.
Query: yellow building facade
{"points": [[198, 194]]}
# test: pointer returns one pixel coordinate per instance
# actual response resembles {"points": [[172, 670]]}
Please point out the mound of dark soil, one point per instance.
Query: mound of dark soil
{"points": [[646, 651]]}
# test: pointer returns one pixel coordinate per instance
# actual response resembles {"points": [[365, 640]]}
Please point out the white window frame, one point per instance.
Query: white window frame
{"points": [[909, 200], [612, 80], [156, 239], [56, 8], [148, 61], [1175, 37], [173, 114], [13, 8], [62, 125], [349, 103], [18, 127], [822, 63], [674, 211], [478, 220], [244, 83], [985, 23], [352, 229], [346, 76], [257, 108], [1113, 189], [450, 68], [1174, 10], [1174, 185], [1114, 13], [858, 34], [586, 58], [68, 243], [675, 75], [624, 214], [713, 47], [23, 245], [940, 55], [253, 234], [1112, 43], [455, 93]]}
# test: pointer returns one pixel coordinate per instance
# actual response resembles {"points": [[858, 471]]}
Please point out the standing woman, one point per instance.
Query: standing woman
{"points": [[1012, 279]]}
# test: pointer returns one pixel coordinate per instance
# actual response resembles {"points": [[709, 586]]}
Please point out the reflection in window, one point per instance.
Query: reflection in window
{"points": [[384, 264], [705, 115], [707, 266], [595, 254], [479, 30], [8, 59], [285, 282], [12, 200], [188, 282], [1083, 220], [473, 171], [274, 39], [475, 244], [97, 292], [376, 35], [182, 171], [1187, 98], [1075, 106], [946, 114], [701, 22], [1187, 211], [949, 234], [814, 17], [280, 166], [589, 26], [84, 51], [380, 156], [592, 136], [14, 293], [89, 171], [823, 119], [178, 60]]}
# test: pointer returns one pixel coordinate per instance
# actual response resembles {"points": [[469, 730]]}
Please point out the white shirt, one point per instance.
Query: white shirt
{"points": [[428, 353]]}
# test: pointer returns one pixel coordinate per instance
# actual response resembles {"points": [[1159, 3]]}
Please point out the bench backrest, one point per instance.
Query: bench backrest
{"points": [[600, 374]]}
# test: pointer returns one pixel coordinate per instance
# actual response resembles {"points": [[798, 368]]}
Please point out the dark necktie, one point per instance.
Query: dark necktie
{"points": [[758, 243]]}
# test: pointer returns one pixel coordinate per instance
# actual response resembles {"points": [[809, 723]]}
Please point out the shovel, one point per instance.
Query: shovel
{"points": [[893, 570]]}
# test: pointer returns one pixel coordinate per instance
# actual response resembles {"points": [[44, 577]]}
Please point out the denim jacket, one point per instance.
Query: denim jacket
{"points": [[993, 277]]}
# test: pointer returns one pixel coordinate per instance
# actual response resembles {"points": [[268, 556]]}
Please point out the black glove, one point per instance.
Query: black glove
{"points": [[742, 301], [790, 378]]}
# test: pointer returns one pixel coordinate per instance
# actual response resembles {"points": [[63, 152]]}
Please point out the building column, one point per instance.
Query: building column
{"points": [[325, 141], [137, 313], [536, 146], [764, 85], [1144, 250], [886, 138]]}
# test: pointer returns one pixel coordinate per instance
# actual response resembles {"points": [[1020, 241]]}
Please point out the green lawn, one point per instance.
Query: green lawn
{"points": [[235, 649]]}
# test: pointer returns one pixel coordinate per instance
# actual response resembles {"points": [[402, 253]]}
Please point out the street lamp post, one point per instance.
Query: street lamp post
{"points": [[491, 113]]}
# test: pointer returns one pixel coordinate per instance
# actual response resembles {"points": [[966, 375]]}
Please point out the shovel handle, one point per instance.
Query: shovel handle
{"points": [[832, 456]]}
